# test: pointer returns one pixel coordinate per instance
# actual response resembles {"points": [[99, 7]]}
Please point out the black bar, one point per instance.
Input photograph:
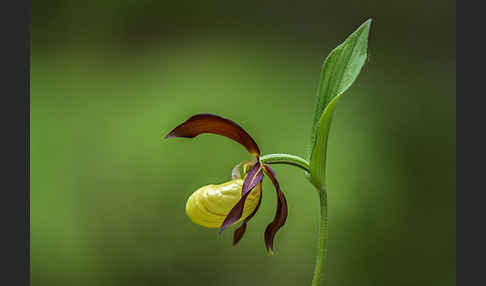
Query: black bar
{"points": [[14, 118]]}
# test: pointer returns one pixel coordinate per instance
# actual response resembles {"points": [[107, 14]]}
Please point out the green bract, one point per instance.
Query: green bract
{"points": [[339, 71]]}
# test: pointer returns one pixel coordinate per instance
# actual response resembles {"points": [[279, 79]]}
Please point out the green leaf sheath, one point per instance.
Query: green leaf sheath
{"points": [[339, 71], [318, 159]]}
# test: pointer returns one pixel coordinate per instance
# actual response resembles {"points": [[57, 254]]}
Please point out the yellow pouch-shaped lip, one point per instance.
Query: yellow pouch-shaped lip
{"points": [[209, 205]]}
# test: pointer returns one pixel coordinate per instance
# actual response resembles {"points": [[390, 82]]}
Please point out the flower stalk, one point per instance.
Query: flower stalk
{"points": [[285, 159]]}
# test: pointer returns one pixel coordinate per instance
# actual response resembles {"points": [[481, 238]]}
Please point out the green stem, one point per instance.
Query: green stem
{"points": [[285, 159], [322, 243]]}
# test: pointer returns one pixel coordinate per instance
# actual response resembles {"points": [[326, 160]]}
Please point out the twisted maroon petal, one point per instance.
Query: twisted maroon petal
{"points": [[255, 176], [281, 213], [240, 231], [210, 123]]}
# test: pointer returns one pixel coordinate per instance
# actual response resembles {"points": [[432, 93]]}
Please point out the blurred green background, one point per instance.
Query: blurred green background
{"points": [[109, 78]]}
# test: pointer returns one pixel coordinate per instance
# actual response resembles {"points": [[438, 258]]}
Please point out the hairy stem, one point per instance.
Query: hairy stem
{"points": [[322, 243]]}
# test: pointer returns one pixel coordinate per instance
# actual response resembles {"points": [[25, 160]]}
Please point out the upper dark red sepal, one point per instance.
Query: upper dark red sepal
{"points": [[210, 123]]}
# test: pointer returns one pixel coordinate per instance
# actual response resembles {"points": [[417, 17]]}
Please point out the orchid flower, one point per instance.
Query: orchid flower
{"points": [[237, 200], [220, 206]]}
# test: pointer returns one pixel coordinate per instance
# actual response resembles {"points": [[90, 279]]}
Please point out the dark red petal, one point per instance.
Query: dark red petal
{"points": [[210, 123], [239, 232], [255, 176], [281, 213], [235, 214]]}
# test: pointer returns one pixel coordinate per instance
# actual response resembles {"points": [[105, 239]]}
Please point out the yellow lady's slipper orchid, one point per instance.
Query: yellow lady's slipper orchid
{"points": [[209, 205], [219, 206]]}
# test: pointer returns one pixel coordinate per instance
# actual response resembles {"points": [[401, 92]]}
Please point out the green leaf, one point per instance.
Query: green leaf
{"points": [[339, 71]]}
